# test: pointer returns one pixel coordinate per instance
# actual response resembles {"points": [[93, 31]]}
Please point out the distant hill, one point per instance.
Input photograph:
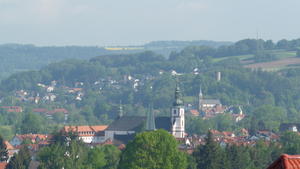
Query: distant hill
{"points": [[187, 43], [18, 57]]}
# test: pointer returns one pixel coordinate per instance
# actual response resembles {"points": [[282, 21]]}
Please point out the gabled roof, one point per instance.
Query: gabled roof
{"points": [[9, 146], [32, 136], [194, 112], [286, 162], [78, 129]]}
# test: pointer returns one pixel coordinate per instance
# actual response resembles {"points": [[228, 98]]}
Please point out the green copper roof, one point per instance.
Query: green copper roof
{"points": [[178, 98]]}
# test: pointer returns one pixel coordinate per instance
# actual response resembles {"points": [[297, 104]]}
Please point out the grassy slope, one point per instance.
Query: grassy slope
{"points": [[280, 54]]}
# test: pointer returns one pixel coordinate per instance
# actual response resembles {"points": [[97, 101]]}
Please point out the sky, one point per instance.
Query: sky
{"points": [[133, 22]]}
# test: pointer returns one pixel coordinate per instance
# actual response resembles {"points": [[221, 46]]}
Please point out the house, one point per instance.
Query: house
{"points": [[88, 134], [194, 112], [12, 109], [10, 149], [294, 127], [34, 138], [286, 162], [50, 113]]}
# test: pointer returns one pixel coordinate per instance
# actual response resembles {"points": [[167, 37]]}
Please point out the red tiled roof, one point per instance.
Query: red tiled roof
{"points": [[10, 109], [32, 137], [3, 165], [8, 146], [194, 112], [286, 162], [61, 110], [84, 130]]}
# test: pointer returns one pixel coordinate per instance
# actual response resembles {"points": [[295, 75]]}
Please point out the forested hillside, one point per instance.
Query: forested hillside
{"points": [[17, 57], [92, 90]]}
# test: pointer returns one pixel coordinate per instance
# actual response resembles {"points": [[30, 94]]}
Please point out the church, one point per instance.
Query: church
{"points": [[125, 127], [209, 107]]}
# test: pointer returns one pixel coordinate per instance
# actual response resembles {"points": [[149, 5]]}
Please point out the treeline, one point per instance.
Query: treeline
{"points": [[153, 149], [246, 46], [16, 58]]}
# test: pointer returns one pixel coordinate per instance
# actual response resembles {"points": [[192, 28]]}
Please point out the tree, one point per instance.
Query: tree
{"points": [[112, 156], [20, 160], [31, 123], [210, 155], [153, 150], [238, 156], [3, 150], [66, 152], [291, 142], [96, 158]]}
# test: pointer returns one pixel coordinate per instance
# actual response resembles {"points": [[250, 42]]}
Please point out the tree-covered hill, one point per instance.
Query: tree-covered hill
{"points": [[17, 57], [268, 98]]}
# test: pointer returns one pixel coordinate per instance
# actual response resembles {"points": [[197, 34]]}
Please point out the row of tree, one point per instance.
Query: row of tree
{"points": [[153, 150]]}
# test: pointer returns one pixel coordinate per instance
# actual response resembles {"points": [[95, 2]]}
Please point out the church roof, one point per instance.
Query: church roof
{"points": [[126, 123], [163, 123], [210, 101], [133, 123]]}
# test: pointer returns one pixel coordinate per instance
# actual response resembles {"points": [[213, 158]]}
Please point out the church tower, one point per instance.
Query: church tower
{"points": [[177, 116]]}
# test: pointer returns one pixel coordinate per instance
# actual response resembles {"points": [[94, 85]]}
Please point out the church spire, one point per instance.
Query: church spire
{"points": [[200, 93], [200, 99], [121, 113], [178, 98], [150, 124]]}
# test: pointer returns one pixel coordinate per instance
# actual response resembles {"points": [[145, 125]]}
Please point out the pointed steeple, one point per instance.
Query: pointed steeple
{"points": [[200, 93], [120, 114], [150, 124], [200, 99], [178, 98], [240, 110]]}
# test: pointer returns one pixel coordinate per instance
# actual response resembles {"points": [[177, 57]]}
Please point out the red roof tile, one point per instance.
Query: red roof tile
{"points": [[3, 165], [85, 130], [8, 146], [194, 112], [286, 162]]}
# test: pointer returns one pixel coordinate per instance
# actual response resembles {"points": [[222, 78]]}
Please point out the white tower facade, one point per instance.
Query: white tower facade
{"points": [[177, 116]]}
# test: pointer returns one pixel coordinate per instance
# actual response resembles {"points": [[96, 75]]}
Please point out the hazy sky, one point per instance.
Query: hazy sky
{"points": [[121, 22]]}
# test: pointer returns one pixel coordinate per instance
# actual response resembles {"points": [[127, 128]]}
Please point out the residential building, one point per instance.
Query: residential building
{"points": [[88, 134]]}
